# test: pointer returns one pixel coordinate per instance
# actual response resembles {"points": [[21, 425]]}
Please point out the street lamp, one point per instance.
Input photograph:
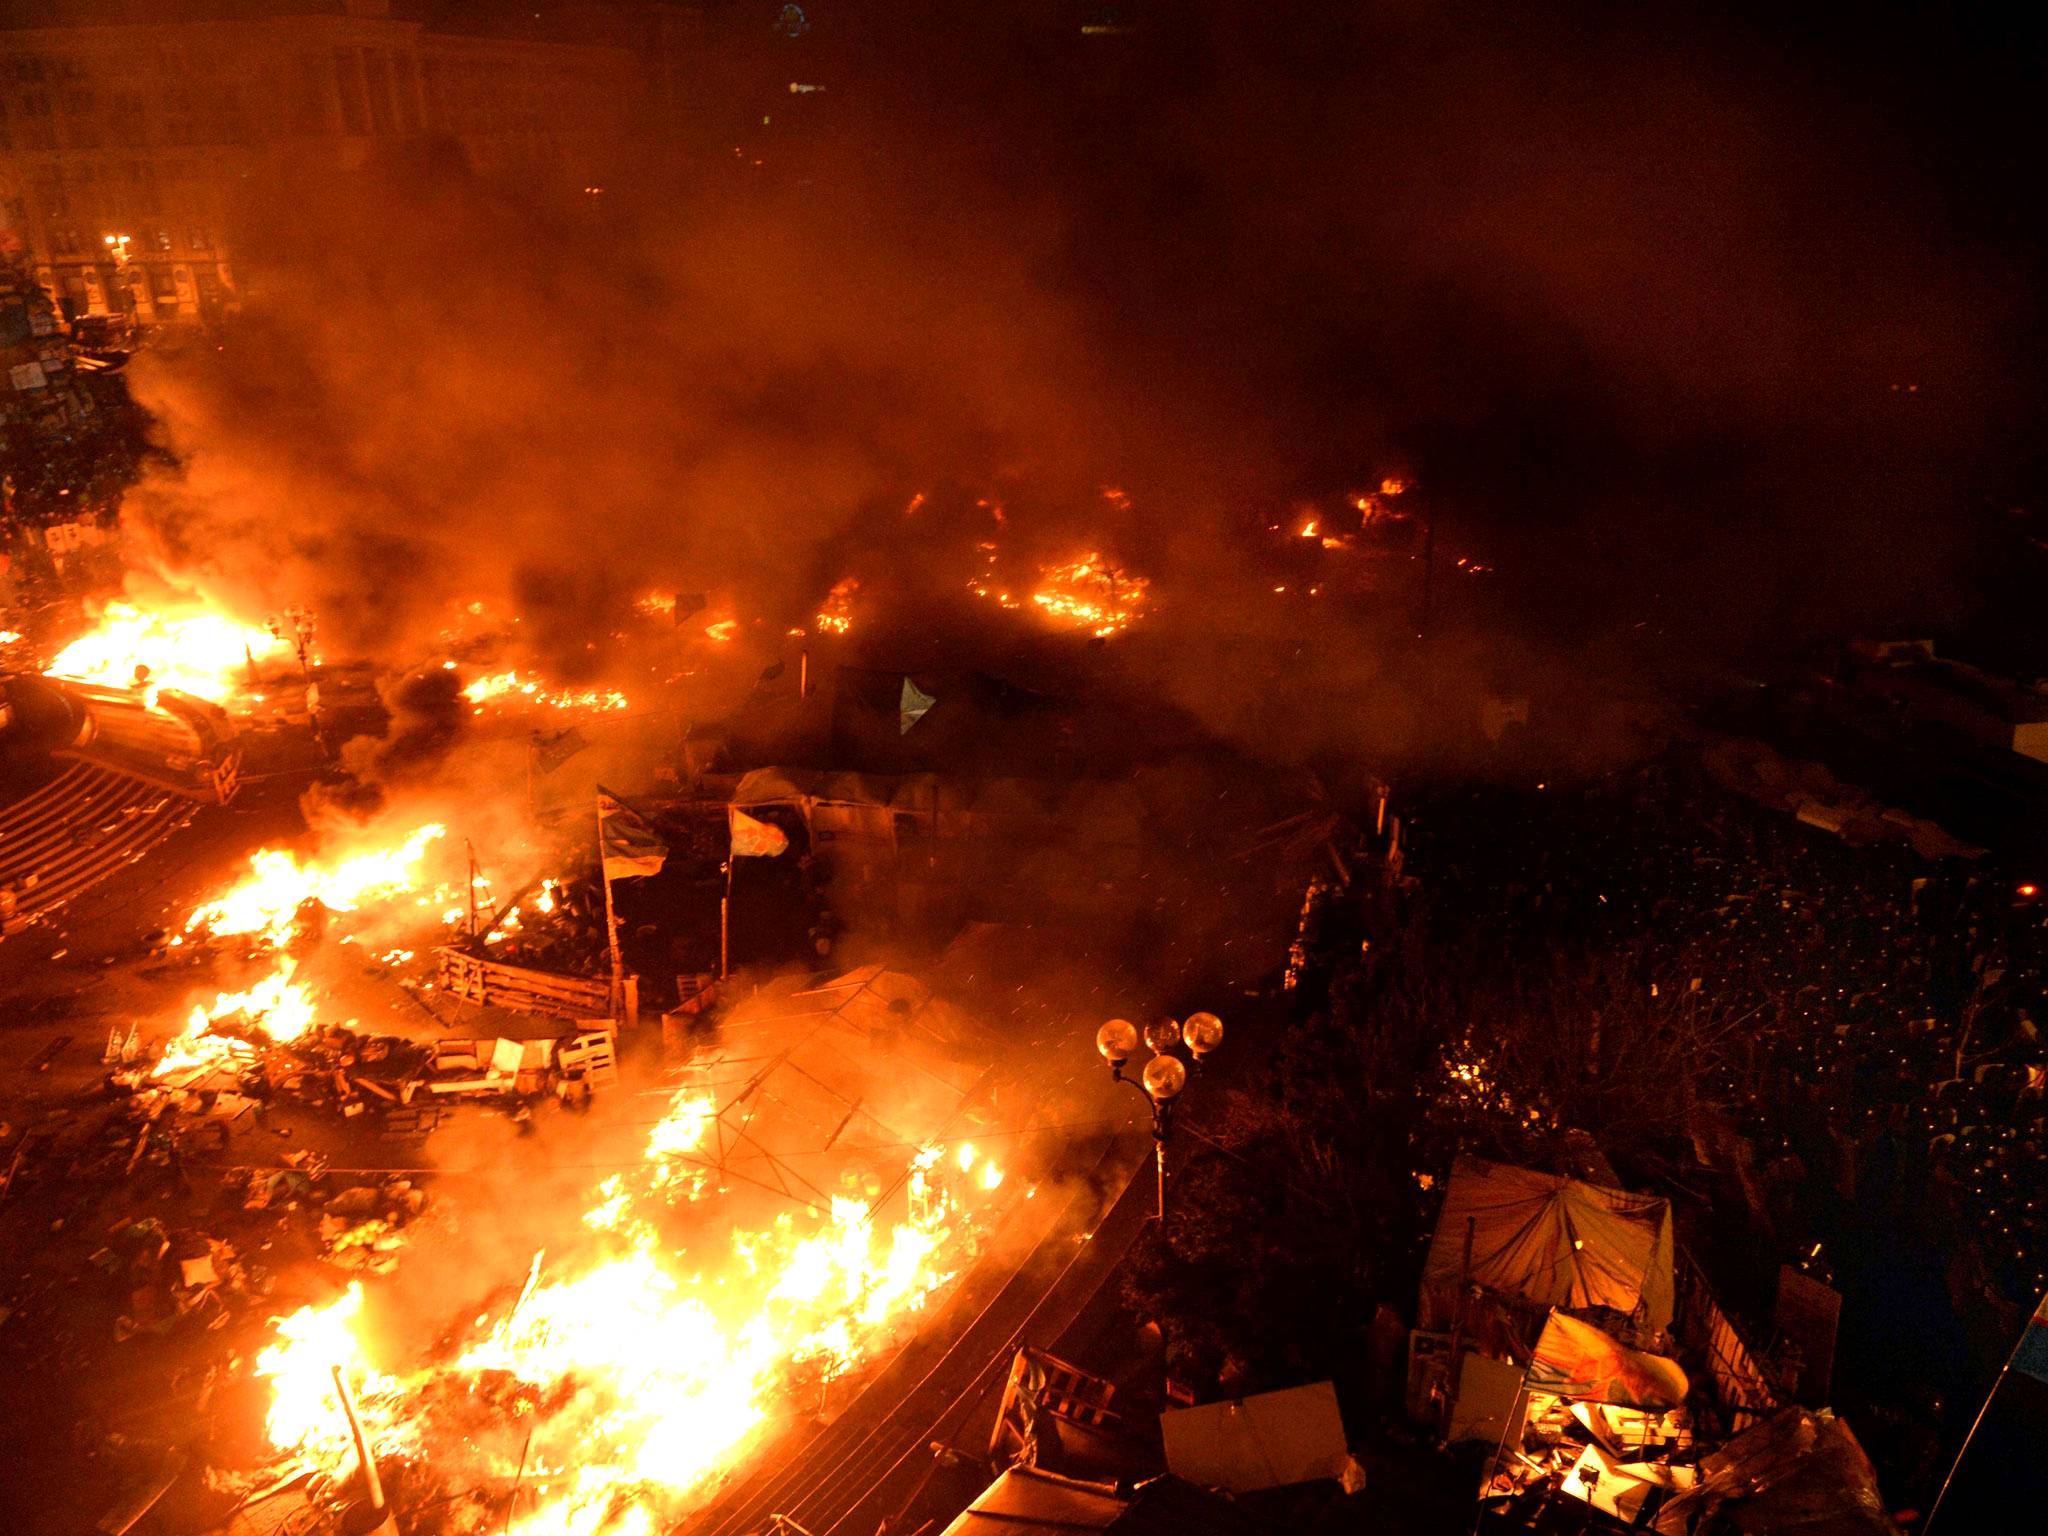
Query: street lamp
{"points": [[1165, 1075]]}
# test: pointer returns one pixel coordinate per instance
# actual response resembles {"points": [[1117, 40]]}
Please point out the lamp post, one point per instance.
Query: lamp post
{"points": [[1165, 1075]]}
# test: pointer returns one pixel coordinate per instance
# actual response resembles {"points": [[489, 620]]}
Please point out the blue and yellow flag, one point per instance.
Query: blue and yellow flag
{"points": [[629, 845]]}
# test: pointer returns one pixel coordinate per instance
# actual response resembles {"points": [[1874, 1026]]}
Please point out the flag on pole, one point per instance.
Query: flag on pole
{"points": [[915, 705], [629, 845], [752, 839]]}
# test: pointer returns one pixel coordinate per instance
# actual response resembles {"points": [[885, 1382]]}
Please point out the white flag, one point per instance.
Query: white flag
{"points": [[916, 704]]}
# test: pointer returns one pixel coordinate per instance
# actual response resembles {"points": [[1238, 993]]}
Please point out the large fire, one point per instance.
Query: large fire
{"points": [[278, 1008], [196, 651], [652, 1344], [1091, 594], [266, 905], [611, 1394]]}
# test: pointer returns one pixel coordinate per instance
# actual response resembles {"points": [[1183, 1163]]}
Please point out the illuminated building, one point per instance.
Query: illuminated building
{"points": [[123, 145]]}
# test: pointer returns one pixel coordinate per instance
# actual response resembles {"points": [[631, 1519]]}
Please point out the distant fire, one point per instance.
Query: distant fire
{"points": [[195, 651], [512, 687], [723, 631], [835, 614], [1090, 594], [625, 1379]]}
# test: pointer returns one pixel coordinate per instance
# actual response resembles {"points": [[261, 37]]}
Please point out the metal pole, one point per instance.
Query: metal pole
{"points": [[1162, 1119], [1982, 1409], [466, 843], [371, 1483], [611, 918], [1159, 1157], [725, 925]]}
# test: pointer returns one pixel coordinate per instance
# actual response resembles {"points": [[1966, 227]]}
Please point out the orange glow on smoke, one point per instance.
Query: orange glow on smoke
{"points": [[266, 903], [835, 614], [1090, 594]]}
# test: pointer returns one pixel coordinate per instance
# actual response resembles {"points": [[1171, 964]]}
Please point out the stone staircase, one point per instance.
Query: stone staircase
{"points": [[66, 836]]}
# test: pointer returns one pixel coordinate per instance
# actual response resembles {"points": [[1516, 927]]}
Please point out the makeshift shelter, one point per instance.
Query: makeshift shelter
{"points": [[1536, 1241], [848, 1079]]}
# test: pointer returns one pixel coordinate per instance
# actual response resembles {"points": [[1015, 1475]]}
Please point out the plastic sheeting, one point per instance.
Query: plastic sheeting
{"points": [[1796, 1471]]}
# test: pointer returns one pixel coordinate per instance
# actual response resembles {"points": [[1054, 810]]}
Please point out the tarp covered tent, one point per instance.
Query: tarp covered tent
{"points": [[858, 1072], [1547, 1241]]}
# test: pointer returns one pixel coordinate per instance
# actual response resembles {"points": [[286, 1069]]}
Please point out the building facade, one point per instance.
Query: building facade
{"points": [[123, 148]]}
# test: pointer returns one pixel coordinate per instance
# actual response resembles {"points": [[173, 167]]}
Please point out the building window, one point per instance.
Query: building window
{"points": [[201, 241], [36, 103], [163, 239]]}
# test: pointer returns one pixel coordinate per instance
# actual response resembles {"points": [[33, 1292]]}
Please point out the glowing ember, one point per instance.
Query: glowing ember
{"points": [[723, 630], [199, 652], [1090, 594], [633, 1374], [267, 903], [511, 688], [835, 615]]}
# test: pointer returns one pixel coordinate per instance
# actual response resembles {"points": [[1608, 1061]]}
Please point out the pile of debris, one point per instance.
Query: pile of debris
{"points": [[1554, 1318]]}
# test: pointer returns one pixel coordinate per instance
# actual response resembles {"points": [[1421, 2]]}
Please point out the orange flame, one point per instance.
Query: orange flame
{"points": [[195, 651], [644, 1371]]}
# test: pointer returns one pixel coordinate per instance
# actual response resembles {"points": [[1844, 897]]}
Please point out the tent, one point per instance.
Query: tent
{"points": [[1544, 1241]]}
